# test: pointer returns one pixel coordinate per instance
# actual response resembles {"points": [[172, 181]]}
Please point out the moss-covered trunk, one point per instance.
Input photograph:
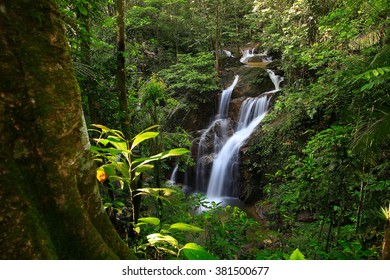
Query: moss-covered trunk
{"points": [[50, 205]]}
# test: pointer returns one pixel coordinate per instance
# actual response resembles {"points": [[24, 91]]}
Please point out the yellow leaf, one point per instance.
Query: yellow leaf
{"points": [[101, 175]]}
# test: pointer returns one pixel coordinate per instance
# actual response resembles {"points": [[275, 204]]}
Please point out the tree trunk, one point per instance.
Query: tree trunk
{"points": [[50, 204], [88, 84], [217, 38], [121, 73]]}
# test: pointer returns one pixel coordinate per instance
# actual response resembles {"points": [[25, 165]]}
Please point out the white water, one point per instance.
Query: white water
{"points": [[226, 94], [276, 79], [223, 181], [173, 178], [219, 138], [224, 173], [224, 178], [248, 53]]}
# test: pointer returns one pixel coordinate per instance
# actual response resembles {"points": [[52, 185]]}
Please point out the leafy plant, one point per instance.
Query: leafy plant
{"points": [[297, 255], [119, 161], [166, 245]]}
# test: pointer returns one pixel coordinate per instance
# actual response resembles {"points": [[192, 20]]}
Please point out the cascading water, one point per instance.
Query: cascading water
{"points": [[249, 53], [246, 54], [276, 79], [217, 164], [219, 129], [173, 178], [224, 173]]}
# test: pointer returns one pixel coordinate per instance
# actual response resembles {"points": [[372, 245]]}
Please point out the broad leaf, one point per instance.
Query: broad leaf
{"points": [[82, 9], [157, 192], [149, 220], [158, 238], [166, 154], [185, 227], [111, 151], [117, 142], [105, 130], [195, 252], [297, 255], [142, 137]]}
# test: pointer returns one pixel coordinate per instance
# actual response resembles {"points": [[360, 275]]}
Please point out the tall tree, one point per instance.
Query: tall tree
{"points": [[217, 36], [51, 208], [121, 71], [88, 84]]}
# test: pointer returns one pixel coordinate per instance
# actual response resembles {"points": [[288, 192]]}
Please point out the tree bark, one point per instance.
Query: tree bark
{"points": [[121, 73], [88, 84], [50, 204], [217, 38]]}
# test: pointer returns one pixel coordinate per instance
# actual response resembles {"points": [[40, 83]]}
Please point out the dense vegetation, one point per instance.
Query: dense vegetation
{"points": [[322, 153], [318, 166]]}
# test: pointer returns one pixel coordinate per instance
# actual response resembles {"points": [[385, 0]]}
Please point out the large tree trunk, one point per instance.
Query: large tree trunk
{"points": [[50, 204]]}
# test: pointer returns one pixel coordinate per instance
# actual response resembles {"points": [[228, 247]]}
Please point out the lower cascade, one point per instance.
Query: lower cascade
{"points": [[219, 145], [224, 173]]}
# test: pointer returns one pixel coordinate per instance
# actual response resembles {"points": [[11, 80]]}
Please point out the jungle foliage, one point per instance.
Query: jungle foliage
{"points": [[322, 152], [324, 147]]}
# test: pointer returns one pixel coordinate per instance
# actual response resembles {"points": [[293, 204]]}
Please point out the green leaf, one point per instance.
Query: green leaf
{"points": [[195, 252], [109, 170], [104, 142], [185, 227], [111, 151], [149, 220], [107, 204], [82, 9], [156, 191], [297, 255], [143, 167], [117, 142], [158, 238], [166, 154], [142, 137], [118, 204], [105, 130], [167, 250]]}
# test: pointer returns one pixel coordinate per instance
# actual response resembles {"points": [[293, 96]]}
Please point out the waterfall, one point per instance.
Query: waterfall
{"points": [[276, 79], [224, 173], [223, 107], [219, 129], [173, 178], [224, 178], [249, 53], [219, 146], [246, 54]]}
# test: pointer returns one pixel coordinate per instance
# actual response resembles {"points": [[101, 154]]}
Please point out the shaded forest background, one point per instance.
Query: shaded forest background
{"points": [[316, 170]]}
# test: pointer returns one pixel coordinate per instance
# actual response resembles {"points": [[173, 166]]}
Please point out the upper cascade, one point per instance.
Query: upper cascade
{"points": [[252, 59], [226, 94]]}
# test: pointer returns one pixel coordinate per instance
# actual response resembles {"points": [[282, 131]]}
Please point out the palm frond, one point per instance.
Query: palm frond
{"points": [[83, 70]]}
